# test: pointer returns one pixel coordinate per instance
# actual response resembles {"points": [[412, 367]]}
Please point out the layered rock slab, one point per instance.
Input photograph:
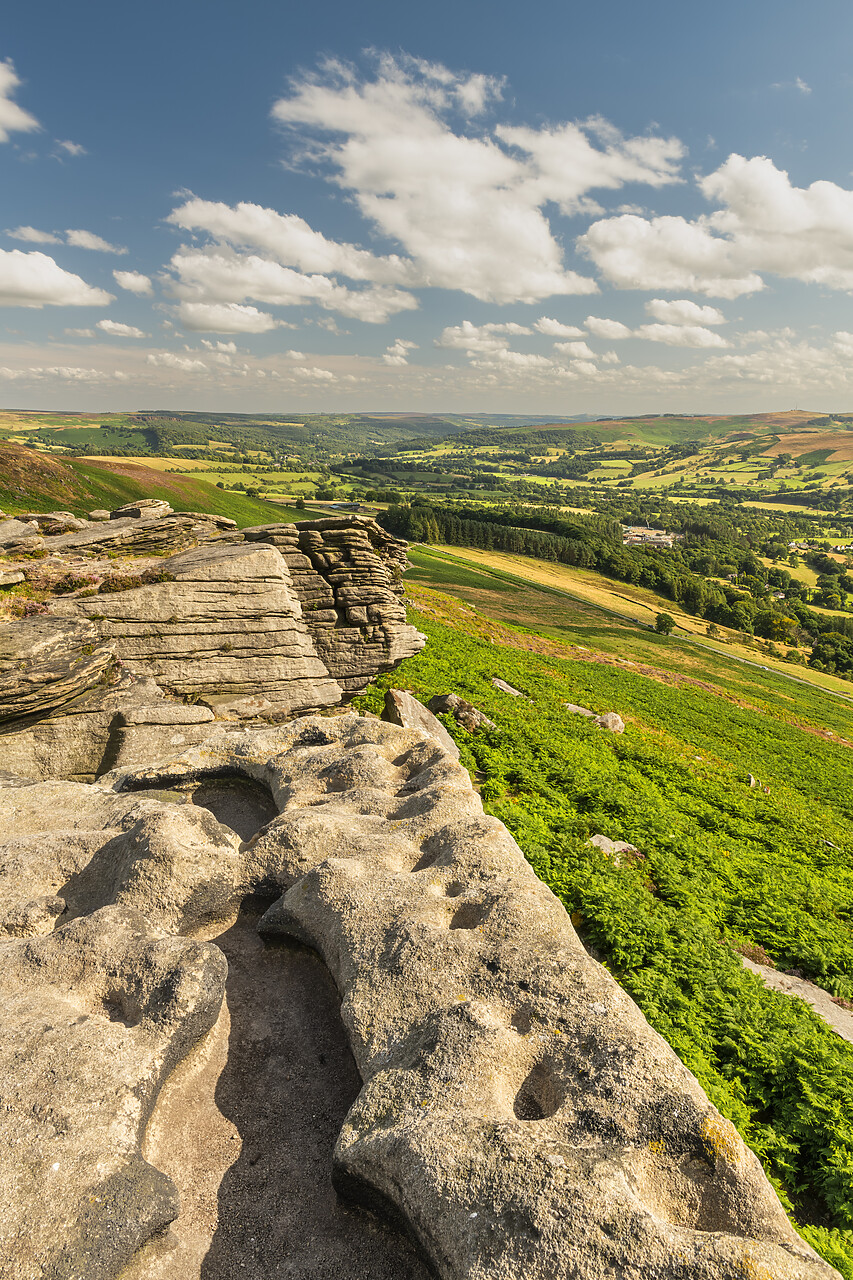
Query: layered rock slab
{"points": [[229, 624], [347, 572], [518, 1113]]}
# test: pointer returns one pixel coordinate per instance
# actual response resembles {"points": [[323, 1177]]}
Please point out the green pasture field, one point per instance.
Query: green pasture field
{"points": [[720, 865]]}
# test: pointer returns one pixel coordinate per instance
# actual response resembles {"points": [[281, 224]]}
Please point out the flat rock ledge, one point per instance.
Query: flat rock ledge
{"points": [[518, 1115]]}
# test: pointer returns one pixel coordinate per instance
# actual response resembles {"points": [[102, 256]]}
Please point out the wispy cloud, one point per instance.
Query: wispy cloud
{"points": [[88, 240], [797, 83]]}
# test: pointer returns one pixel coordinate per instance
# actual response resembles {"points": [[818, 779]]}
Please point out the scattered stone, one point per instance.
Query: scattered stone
{"points": [[54, 522], [618, 851], [464, 713], [11, 578], [15, 533], [403, 709], [99, 515], [506, 688], [753, 782], [611, 721], [827, 1007], [578, 711]]}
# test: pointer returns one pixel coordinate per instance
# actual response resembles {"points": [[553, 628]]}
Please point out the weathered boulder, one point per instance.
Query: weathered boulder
{"points": [[94, 1017], [143, 509], [518, 1113], [578, 711], [53, 522], [506, 688], [11, 578], [403, 709], [129, 535], [612, 721], [464, 713], [13, 530], [68, 849], [126, 722], [47, 662], [99, 515]]}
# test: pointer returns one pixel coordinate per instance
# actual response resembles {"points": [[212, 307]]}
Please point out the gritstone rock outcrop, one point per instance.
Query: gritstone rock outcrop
{"points": [[517, 1113], [270, 622]]}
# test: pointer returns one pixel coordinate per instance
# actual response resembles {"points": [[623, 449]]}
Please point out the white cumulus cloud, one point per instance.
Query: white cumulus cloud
{"points": [[224, 317], [219, 274], [764, 225], [88, 240], [71, 148], [36, 280], [683, 311], [398, 352], [479, 338], [134, 282], [681, 335], [555, 329], [610, 329], [577, 350], [116, 329], [13, 119], [464, 203], [168, 360]]}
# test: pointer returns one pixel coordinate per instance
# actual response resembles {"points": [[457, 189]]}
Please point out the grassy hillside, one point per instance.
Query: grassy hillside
{"points": [[579, 606], [721, 866], [44, 482]]}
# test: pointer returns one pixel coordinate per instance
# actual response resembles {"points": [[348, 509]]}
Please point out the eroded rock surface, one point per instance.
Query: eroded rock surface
{"points": [[95, 1016], [517, 1112]]}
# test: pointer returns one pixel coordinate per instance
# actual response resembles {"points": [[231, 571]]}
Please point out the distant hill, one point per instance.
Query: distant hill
{"points": [[32, 480]]}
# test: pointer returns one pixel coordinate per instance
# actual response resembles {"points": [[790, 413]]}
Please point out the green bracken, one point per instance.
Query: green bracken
{"points": [[722, 866]]}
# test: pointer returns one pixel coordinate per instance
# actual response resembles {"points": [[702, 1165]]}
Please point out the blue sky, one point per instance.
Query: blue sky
{"points": [[556, 209]]}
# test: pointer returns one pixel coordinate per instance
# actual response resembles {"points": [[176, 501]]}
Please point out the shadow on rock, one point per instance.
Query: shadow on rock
{"points": [[287, 1085]]}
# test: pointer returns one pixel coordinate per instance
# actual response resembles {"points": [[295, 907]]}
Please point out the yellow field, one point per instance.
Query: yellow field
{"points": [[636, 603]]}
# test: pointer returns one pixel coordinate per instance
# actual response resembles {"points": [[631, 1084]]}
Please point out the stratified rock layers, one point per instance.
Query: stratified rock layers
{"points": [[273, 621], [229, 623], [518, 1113]]}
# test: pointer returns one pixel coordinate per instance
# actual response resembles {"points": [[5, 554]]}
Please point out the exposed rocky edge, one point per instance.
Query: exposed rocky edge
{"points": [[45, 663], [244, 622], [125, 723], [95, 1016], [347, 572], [130, 535], [230, 624], [518, 1113]]}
